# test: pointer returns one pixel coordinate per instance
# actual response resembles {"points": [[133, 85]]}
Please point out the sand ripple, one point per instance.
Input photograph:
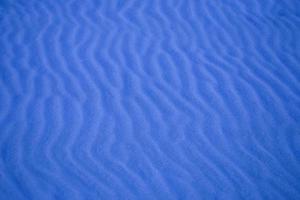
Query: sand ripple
{"points": [[149, 99]]}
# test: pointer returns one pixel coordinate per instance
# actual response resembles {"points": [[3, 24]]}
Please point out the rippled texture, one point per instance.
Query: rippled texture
{"points": [[140, 99]]}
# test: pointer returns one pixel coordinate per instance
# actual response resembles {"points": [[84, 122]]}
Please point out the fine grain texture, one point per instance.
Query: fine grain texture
{"points": [[150, 99]]}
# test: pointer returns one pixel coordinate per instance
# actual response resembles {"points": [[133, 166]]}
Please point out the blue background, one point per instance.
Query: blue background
{"points": [[140, 99]]}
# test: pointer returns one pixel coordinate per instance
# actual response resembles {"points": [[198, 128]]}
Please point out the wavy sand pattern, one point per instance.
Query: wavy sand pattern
{"points": [[174, 99]]}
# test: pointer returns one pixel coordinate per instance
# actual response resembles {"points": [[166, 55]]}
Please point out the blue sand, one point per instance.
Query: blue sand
{"points": [[142, 100]]}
